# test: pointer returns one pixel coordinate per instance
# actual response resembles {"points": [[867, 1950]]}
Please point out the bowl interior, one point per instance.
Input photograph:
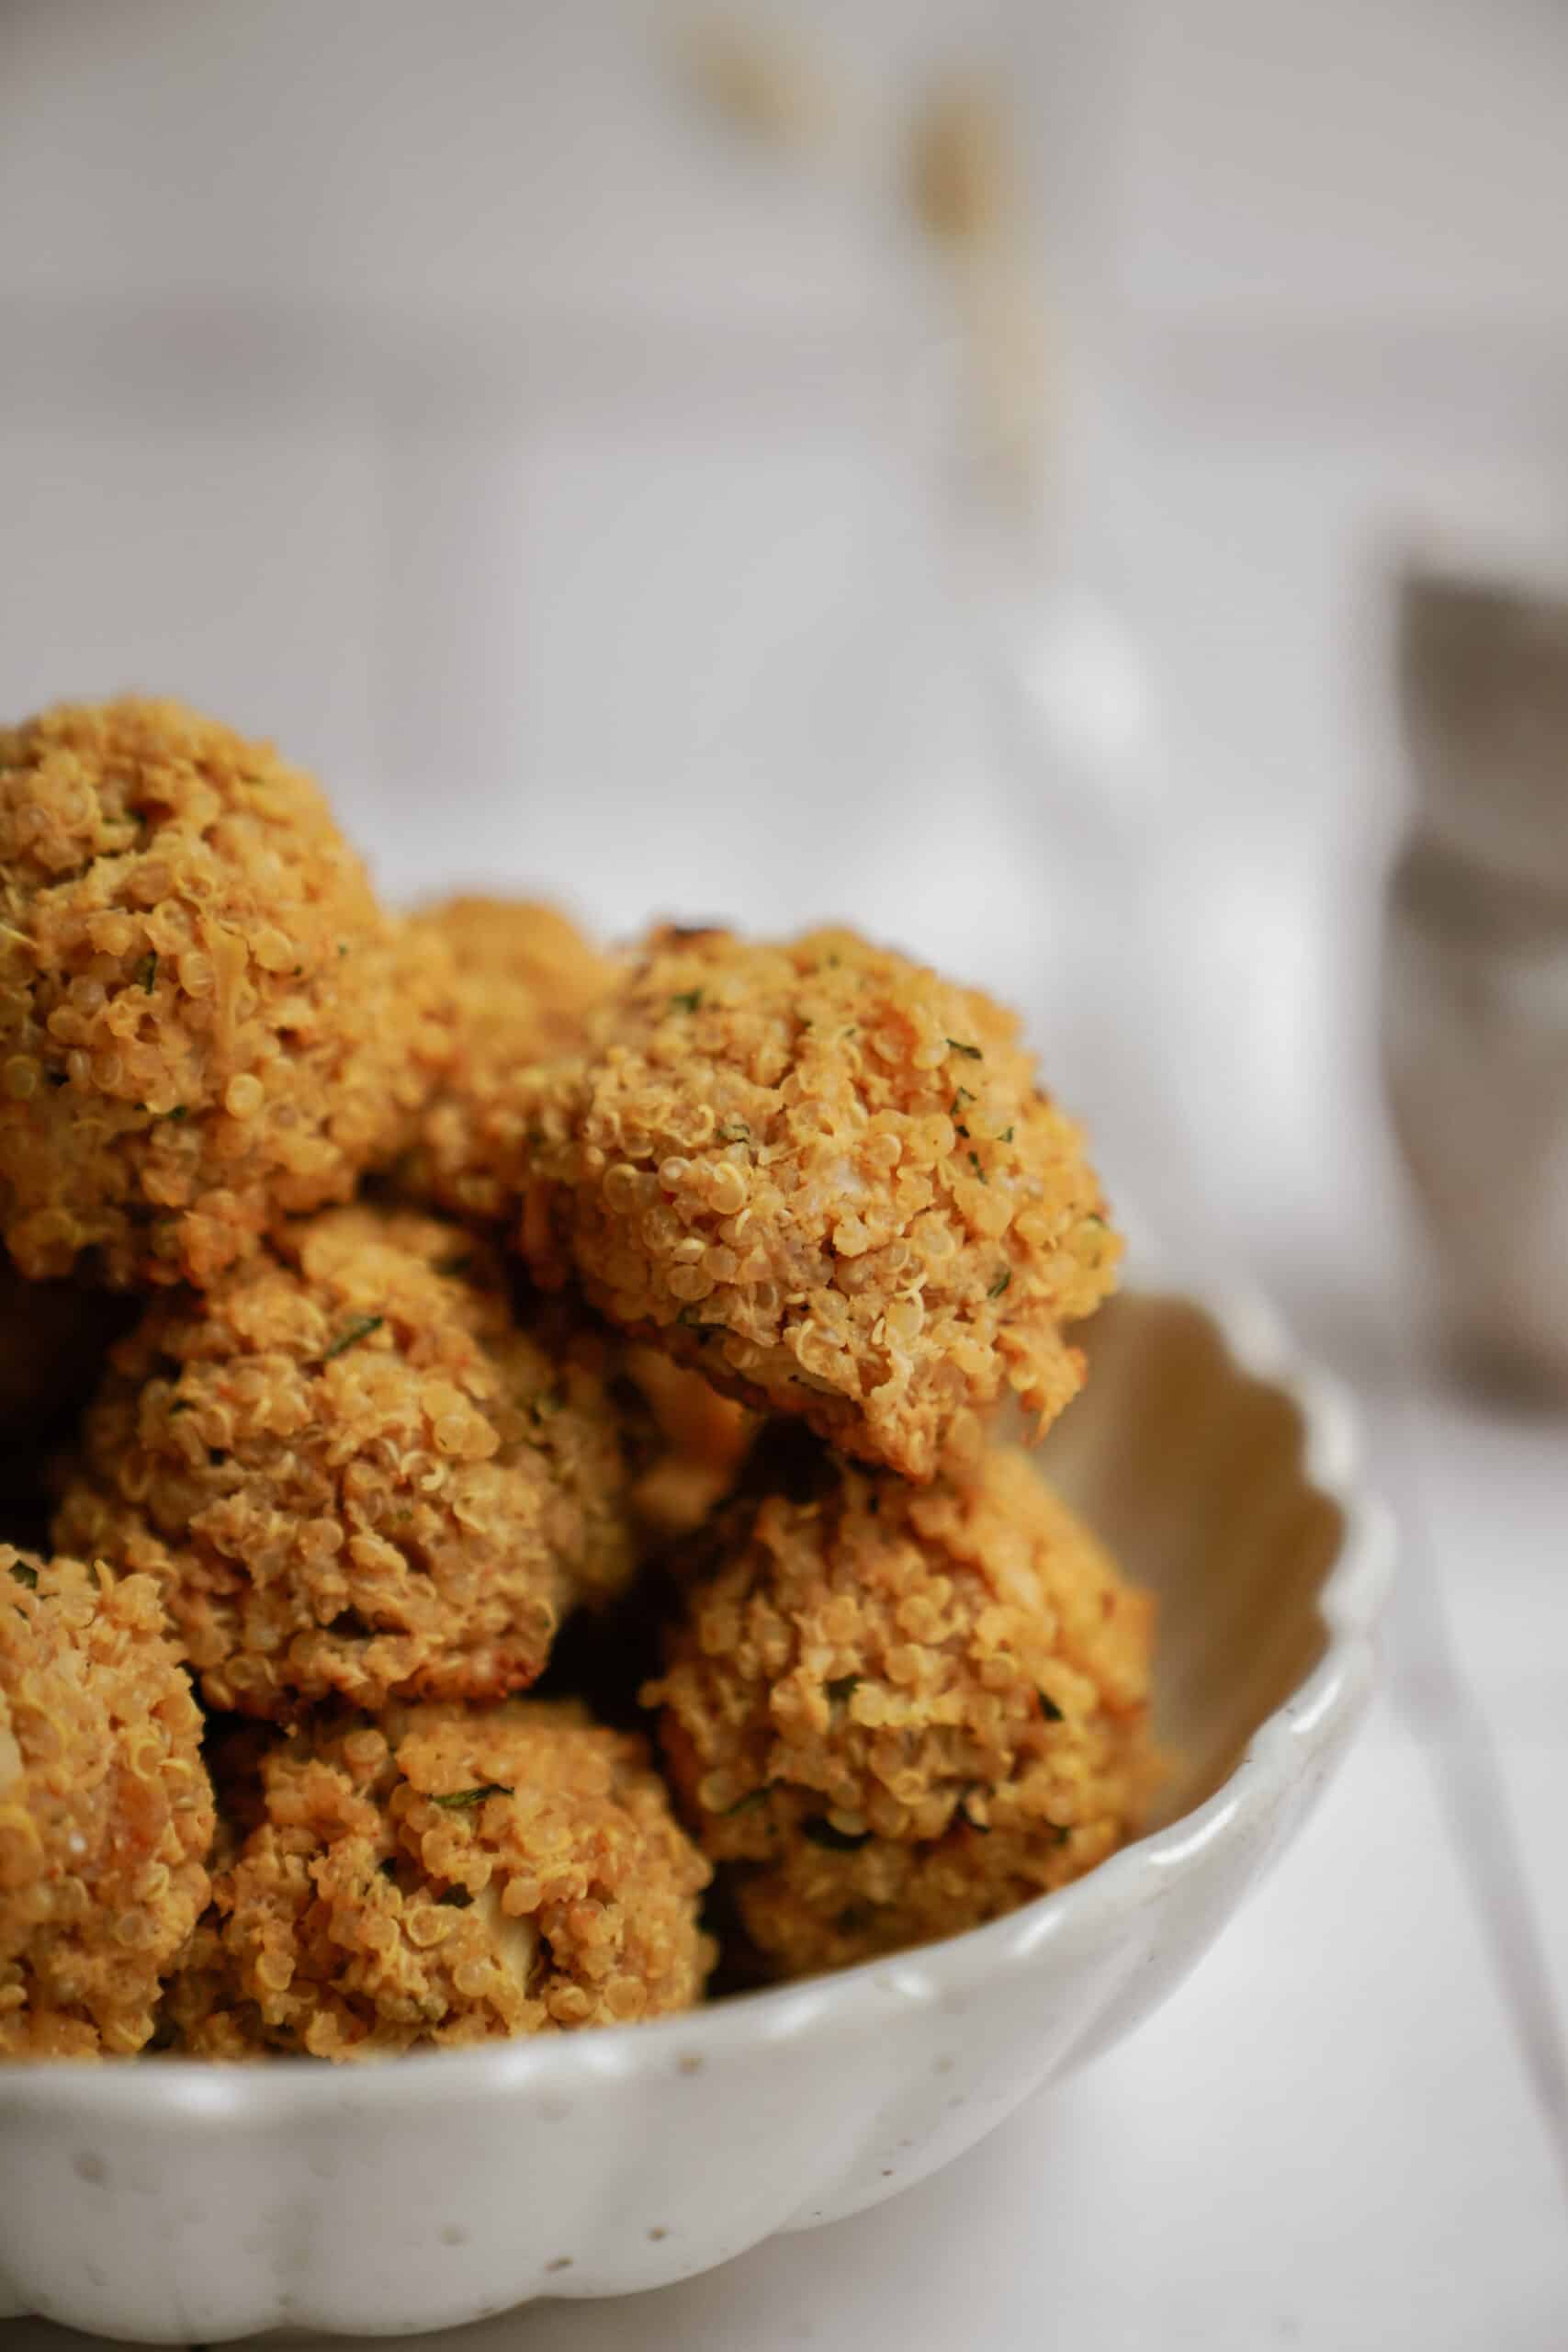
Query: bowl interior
{"points": [[1193, 1471]]}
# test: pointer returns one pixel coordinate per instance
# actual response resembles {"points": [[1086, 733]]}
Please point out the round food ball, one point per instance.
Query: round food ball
{"points": [[206, 1019], [447, 1875], [900, 1711], [352, 1473], [828, 1179], [105, 1812], [526, 978]]}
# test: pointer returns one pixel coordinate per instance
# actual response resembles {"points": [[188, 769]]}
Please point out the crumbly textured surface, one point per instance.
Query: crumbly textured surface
{"points": [[353, 1475], [828, 1179], [899, 1712], [105, 1812], [526, 979], [446, 1876], [206, 1019]]}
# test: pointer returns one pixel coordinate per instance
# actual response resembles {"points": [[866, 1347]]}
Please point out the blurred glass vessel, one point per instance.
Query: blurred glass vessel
{"points": [[1475, 1002]]}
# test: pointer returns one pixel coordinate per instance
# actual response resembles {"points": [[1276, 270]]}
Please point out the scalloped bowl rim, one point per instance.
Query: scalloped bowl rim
{"points": [[230, 2095]]}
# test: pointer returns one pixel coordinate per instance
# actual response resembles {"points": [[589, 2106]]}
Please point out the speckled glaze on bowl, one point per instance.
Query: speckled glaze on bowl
{"points": [[171, 2201]]}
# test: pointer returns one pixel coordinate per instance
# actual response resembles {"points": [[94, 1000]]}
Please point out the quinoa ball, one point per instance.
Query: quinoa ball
{"points": [[206, 1019], [897, 1711], [526, 978], [828, 1179], [447, 1875], [105, 1812], [351, 1473]]}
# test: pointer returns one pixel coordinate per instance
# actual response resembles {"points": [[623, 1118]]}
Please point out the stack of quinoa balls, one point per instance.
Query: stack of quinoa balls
{"points": [[403, 1312]]}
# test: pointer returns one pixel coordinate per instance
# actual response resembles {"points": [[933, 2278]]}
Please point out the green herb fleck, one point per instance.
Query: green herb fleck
{"points": [[842, 1686], [457, 1898], [734, 1131], [359, 1326], [821, 1832], [1048, 1708], [1001, 1283], [180, 1111], [971, 1053], [960, 1129], [686, 1000], [975, 1164], [688, 1316], [25, 1575], [464, 1800], [1006, 1135], [959, 1100], [342, 947], [744, 1804], [146, 972], [1063, 1830]]}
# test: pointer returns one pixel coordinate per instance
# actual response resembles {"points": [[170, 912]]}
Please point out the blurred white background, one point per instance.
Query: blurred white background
{"points": [[576, 484], [569, 479]]}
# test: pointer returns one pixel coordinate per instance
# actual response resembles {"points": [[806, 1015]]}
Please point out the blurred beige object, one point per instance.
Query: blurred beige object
{"points": [[967, 190], [961, 165], [1475, 1007], [957, 180], [762, 83]]}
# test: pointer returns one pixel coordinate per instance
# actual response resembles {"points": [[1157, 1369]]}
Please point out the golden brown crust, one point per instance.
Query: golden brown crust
{"points": [[105, 1812], [826, 1178], [206, 1021], [904, 1711], [353, 1475], [526, 979], [532, 947], [446, 1876]]}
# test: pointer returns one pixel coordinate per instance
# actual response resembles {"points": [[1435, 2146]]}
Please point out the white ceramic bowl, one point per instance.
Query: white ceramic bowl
{"points": [[174, 2202]]}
